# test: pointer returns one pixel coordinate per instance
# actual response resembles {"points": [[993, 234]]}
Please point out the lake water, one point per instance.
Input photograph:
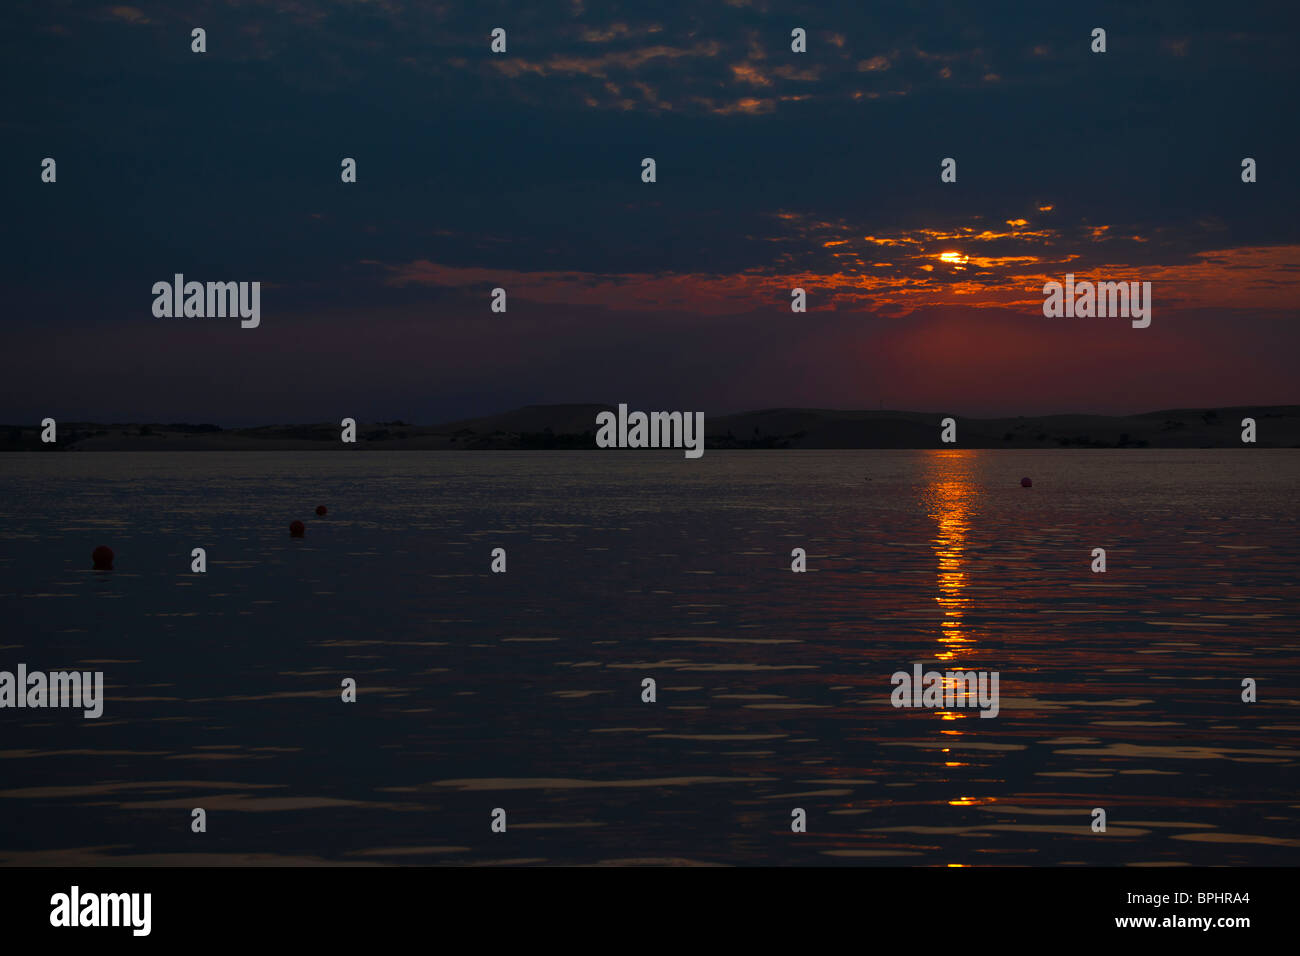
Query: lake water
{"points": [[522, 690]]}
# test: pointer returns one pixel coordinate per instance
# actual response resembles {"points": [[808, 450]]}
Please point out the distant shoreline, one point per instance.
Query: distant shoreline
{"points": [[572, 427]]}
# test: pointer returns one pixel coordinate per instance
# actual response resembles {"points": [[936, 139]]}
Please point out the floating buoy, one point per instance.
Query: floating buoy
{"points": [[296, 529], [103, 558], [1026, 483], [320, 511]]}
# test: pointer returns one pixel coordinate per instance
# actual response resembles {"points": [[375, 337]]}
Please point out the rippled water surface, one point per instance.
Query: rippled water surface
{"points": [[523, 690]]}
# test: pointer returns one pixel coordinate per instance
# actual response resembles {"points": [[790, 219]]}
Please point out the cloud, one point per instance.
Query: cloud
{"points": [[129, 14], [932, 273]]}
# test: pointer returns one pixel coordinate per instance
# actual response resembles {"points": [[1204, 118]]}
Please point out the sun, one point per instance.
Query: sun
{"points": [[955, 258]]}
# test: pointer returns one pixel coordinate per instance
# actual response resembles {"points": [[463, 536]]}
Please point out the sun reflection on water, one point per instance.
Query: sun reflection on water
{"points": [[949, 498]]}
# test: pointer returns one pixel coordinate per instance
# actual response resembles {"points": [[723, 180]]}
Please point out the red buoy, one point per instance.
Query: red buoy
{"points": [[1026, 483], [103, 558], [296, 529], [320, 511]]}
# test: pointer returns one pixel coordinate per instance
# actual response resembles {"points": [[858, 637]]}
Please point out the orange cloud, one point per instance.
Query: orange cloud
{"points": [[748, 73], [600, 66], [1256, 277]]}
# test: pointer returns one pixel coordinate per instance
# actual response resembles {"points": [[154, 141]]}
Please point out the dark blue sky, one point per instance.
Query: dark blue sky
{"points": [[522, 170]]}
